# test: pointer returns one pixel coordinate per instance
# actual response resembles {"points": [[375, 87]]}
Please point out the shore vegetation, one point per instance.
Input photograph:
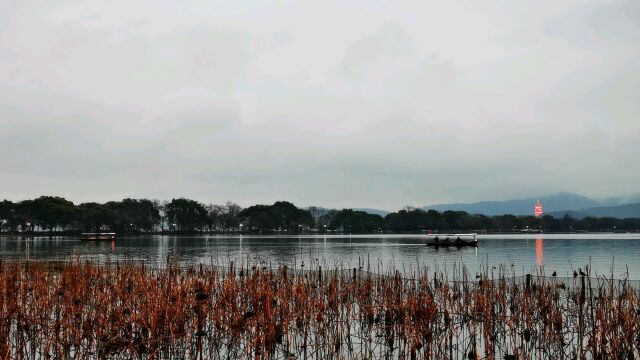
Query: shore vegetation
{"points": [[81, 310], [53, 214]]}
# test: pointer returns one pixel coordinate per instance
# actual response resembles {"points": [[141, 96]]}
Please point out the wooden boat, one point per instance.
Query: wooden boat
{"points": [[98, 236], [452, 240]]}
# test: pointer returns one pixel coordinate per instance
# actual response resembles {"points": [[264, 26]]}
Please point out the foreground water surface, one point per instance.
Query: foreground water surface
{"points": [[607, 254]]}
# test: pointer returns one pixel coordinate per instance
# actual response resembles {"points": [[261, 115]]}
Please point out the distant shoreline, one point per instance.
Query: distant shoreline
{"points": [[52, 215], [306, 233]]}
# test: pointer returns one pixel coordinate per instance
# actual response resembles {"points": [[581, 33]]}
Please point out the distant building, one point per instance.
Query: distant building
{"points": [[537, 209]]}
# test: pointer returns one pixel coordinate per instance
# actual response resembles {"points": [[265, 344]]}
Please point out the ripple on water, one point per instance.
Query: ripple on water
{"points": [[561, 253]]}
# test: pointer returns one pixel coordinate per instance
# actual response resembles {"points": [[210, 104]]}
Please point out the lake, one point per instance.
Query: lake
{"points": [[525, 253]]}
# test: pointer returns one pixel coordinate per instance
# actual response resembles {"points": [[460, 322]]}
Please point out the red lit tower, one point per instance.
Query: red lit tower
{"points": [[537, 209]]}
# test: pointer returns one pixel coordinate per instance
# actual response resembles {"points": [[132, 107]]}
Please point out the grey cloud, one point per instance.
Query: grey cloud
{"points": [[387, 44], [409, 102]]}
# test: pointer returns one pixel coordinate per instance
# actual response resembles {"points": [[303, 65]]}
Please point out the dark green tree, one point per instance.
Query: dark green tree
{"points": [[407, 220], [94, 217], [186, 215], [349, 220], [133, 215], [280, 216], [7, 215], [51, 212]]}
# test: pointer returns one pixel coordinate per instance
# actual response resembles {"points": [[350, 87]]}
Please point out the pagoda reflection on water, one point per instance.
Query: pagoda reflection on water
{"points": [[539, 251], [537, 211]]}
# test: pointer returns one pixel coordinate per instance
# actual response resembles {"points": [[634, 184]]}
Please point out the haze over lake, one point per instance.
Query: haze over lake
{"points": [[563, 253]]}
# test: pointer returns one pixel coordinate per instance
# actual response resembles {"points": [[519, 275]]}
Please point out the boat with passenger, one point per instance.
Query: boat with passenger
{"points": [[99, 236], [452, 240]]}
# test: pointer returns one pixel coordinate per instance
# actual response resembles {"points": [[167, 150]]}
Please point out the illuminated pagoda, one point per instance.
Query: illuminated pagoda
{"points": [[537, 209]]}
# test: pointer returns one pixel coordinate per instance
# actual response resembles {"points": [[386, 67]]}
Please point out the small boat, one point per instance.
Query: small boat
{"points": [[98, 236], [452, 240]]}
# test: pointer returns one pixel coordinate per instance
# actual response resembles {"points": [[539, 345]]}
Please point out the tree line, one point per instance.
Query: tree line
{"points": [[56, 214]]}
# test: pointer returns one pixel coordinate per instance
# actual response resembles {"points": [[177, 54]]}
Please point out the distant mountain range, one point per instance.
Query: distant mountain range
{"points": [[382, 213], [618, 211], [557, 205], [621, 200], [556, 202]]}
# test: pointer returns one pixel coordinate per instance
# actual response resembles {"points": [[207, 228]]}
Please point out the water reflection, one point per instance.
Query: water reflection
{"points": [[561, 253], [539, 251]]}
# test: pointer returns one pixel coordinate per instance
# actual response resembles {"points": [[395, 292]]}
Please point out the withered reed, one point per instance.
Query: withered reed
{"points": [[83, 310]]}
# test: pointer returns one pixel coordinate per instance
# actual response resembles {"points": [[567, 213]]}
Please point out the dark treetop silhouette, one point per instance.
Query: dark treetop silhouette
{"points": [[55, 214]]}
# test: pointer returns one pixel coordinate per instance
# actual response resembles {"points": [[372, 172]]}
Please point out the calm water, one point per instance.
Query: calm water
{"points": [[561, 253]]}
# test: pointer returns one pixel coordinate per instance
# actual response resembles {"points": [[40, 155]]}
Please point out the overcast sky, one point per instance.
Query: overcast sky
{"points": [[331, 103]]}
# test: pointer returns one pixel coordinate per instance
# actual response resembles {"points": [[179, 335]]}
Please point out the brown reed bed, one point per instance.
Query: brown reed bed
{"points": [[81, 310]]}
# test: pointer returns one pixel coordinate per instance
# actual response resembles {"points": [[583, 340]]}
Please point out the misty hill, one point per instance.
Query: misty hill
{"points": [[557, 202], [382, 213], [619, 211], [621, 200]]}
